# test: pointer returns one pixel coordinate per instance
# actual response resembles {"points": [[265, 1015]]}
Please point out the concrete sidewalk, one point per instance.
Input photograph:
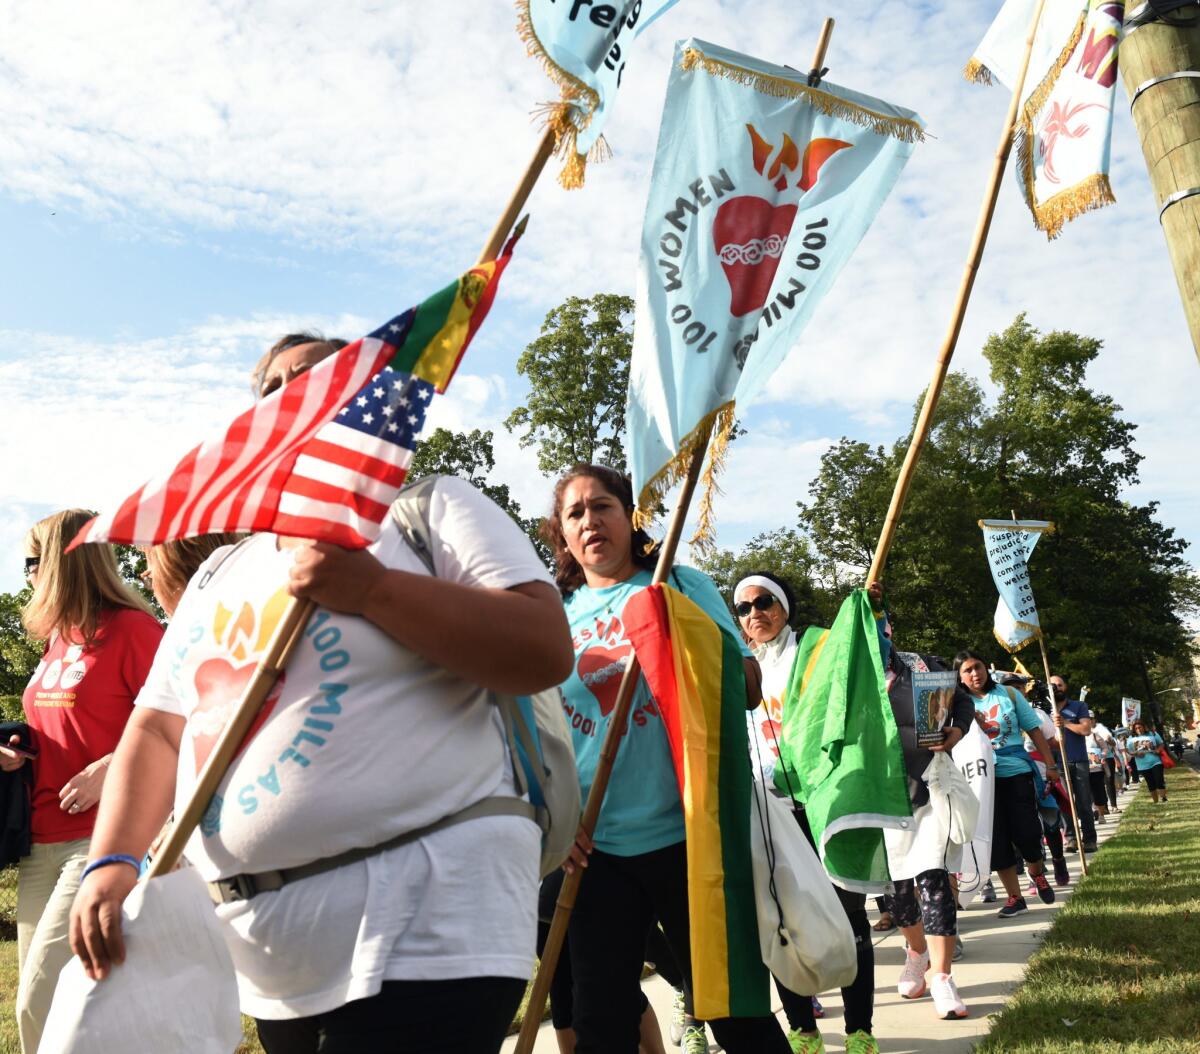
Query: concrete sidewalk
{"points": [[994, 955]]}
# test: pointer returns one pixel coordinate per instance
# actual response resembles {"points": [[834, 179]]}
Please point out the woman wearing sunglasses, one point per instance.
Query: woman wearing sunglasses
{"points": [[764, 603], [100, 641]]}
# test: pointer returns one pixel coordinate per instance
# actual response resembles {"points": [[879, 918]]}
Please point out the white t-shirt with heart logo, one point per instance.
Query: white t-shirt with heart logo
{"points": [[361, 741]]}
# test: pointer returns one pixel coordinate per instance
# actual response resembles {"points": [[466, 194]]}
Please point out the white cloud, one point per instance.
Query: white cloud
{"points": [[398, 131]]}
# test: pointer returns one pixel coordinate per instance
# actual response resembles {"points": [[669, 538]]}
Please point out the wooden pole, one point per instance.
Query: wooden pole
{"points": [[295, 616], [565, 903], [1066, 763], [932, 394], [1160, 65]]}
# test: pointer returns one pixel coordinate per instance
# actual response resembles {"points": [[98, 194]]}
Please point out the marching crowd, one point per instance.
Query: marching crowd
{"points": [[401, 915]]}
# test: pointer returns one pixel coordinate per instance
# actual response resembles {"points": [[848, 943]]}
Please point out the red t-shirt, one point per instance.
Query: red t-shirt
{"points": [[77, 703]]}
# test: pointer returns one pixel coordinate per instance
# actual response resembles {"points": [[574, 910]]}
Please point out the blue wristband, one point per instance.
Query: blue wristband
{"points": [[115, 858]]}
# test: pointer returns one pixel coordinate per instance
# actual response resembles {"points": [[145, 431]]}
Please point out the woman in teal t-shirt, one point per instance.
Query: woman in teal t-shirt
{"points": [[637, 858], [1144, 746], [1004, 713]]}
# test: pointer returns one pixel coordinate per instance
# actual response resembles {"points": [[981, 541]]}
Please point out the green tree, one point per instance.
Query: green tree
{"points": [[578, 373], [1111, 583], [18, 654]]}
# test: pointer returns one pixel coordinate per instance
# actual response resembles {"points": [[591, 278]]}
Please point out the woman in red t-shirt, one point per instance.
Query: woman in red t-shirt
{"points": [[100, 640]]}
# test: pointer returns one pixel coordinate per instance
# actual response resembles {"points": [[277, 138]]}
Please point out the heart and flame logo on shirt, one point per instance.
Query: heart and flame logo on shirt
{"points": [[219, 682], [601, 670]]}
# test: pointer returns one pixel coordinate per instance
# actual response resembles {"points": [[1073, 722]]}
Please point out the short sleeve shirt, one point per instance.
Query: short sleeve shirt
{"points": [[1006, 714], [1145, 750], [1075, 711], [642, 810]]}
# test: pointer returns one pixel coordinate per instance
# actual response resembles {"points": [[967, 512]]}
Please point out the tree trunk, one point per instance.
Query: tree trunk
{"points": [[1166, 110]]}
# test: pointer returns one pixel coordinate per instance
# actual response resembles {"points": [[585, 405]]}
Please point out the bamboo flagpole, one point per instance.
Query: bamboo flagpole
{"points": [[1066, 763], [565, 903], [296, 615], [942, 367]]}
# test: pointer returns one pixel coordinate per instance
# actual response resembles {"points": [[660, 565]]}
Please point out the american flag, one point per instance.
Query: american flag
{"points": [[324, 456]]}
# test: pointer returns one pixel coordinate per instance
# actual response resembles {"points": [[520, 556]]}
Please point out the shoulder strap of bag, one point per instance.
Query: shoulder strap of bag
{"points": [[410, 511]]}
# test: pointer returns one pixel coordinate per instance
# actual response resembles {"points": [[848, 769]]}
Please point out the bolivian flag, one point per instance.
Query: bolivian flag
{"points": [[839, 748], [695, 673]]}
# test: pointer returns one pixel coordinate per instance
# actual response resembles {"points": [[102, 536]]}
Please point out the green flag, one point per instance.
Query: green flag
{"points": [[840, 749]]}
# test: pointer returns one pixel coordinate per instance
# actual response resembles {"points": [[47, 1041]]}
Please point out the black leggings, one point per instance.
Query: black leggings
{"points": [[466, 1016], [928, 899], [1015, 822], [1155, 778], [1110, 781], [618, 900], [858, 998]]}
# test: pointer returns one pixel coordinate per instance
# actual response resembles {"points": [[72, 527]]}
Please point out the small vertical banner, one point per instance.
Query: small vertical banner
{"points": [[1064, 126], [1009, 544], [1131, 710], [584, 47]]}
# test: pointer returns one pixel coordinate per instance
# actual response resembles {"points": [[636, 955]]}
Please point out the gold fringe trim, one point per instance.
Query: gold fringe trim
{"points": [[712, 433], [1013, 649], [570, 116], [977, 73], [903, 128], [1037, 98], [1014, 525]]}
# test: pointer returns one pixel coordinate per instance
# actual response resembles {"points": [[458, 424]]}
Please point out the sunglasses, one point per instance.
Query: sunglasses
{"points": [[762, 603], [31, 564]]}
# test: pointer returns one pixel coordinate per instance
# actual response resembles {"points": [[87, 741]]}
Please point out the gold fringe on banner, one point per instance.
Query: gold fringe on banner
{"points": [[1052, 214], [568, 117], [1013, 649], [902, 128], [713, 432], [977, 73]]}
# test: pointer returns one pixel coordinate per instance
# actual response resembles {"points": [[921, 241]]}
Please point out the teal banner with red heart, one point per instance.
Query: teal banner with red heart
{"points": [[763, 186]]}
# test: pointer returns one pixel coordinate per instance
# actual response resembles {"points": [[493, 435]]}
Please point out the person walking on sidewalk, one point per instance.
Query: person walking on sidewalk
{"points": [[1053, 821], [1004, 713], [1075, 721], [764, 604], [1145, 745]]}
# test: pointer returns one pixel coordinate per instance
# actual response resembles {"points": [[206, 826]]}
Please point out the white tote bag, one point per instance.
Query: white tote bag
{"points": [[954, 803], [805, 937], [176, 992]]}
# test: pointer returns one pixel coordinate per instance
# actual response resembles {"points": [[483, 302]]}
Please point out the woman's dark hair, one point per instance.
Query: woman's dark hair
{"points": [[288, 341], [964, 656], [568, 575], [784, 587]]}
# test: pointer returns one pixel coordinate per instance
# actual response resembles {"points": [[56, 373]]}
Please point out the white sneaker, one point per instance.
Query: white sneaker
{"points": [[912, 978], [946, 1003], [678, 1017]]}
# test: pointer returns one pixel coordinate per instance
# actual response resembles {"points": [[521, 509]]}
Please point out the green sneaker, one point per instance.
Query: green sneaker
{"points": [[695, 1039], [861, 1043], [806, 1042]]}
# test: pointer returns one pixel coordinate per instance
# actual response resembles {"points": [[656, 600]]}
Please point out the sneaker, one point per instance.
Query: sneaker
{"points": [[806, 1043], [912, 978], [1090, 847], [695, 1039], [818, 1009], [1100, 818], [989, 893], [1062, 877], [1071, 848], [861, 1043], [1012, 906], [1043, 888], [946, 1003], [958, 950], [678, 1017]]}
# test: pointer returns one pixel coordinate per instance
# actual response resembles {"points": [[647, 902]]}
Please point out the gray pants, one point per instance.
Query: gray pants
{"points": [[46, 884], [1081, 787]]}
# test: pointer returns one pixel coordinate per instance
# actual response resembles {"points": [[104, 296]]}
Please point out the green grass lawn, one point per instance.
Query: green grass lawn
{"points": [[1122, 961]]}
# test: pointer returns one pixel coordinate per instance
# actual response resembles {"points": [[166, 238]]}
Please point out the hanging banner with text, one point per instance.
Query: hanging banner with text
{"points": [[1009, 544], [584, 47], [762, 188]]}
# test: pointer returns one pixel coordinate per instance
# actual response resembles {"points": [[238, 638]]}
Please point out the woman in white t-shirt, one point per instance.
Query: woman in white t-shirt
{"points": [[383, 724]]}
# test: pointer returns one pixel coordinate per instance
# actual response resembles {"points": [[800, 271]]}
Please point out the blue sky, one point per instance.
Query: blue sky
{"points": [[180, 185]]}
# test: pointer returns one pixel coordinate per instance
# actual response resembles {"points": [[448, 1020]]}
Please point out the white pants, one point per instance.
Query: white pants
{"points": [[47, 882]]}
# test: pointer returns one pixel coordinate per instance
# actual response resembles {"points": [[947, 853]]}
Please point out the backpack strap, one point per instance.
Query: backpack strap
{"points": [[410, 511], [244, 887]]}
